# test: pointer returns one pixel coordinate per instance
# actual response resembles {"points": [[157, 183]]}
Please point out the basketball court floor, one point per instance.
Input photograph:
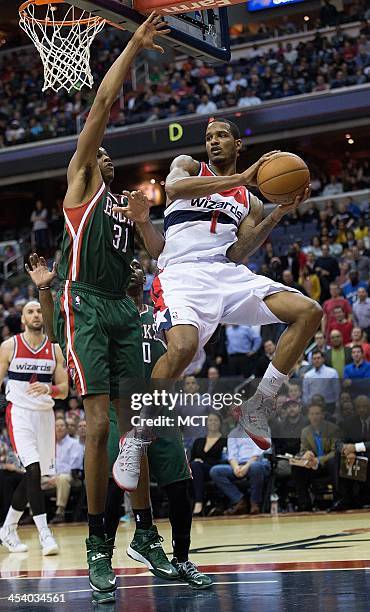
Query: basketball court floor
{"points": [[266, 564]]}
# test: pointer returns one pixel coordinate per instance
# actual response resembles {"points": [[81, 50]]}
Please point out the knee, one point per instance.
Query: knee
{"points": [[182, 349], [312, 312], [63, 478], [256, 469], [215, 472]]}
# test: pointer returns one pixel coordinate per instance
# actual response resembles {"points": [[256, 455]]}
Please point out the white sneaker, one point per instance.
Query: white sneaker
{"points": [[10, 539], [48, 544], [253, 415], [126, 469]]}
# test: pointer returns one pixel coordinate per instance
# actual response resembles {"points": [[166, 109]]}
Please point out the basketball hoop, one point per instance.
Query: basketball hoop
{"points": [[63, 36]]}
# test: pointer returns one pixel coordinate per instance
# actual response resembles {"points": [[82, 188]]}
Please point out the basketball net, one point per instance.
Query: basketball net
{"points": [[62, 36]]}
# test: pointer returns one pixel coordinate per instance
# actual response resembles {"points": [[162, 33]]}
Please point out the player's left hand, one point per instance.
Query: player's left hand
{"points": [[137, 208], [39, 271], [38, 388], [282, 210], [152, 27]]}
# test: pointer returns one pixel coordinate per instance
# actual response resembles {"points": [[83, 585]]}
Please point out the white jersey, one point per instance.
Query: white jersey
{"points": [[203, 228], [30, 365]]}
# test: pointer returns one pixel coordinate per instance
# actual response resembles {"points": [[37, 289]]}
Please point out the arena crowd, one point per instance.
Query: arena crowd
{"points": [[323, 63]]}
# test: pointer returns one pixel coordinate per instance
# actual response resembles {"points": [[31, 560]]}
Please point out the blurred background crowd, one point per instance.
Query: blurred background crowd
{"points": [[262, 73]]}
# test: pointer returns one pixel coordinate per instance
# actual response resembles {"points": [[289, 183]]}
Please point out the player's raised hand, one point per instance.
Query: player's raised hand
{"points": [[285, 209], [39, 271], [137, 207], [152, 27], [250, 174]]}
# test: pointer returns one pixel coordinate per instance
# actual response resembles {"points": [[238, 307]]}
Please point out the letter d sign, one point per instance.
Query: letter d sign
{"points": [[175, 131]]}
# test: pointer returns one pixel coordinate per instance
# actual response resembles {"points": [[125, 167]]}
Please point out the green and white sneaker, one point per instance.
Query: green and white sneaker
{"points": [[146, 547], [188, 572], [99, 559]]}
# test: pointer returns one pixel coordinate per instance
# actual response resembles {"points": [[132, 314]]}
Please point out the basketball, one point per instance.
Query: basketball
{"points": [[282, 177]]}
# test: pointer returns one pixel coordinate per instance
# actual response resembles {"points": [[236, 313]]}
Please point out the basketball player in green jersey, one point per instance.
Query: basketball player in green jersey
{"points": [[96, 324], [168, 463], [168, 466]]}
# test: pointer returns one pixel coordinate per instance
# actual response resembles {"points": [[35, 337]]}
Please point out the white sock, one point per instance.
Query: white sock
{"points": [[271, 381], [13, 516], [40, 522]]}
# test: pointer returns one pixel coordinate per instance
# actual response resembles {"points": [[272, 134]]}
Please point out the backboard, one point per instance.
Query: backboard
{"points": [[203, 34]]}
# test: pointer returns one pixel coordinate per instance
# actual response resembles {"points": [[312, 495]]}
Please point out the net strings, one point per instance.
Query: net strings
{"points": [[64, 49]]}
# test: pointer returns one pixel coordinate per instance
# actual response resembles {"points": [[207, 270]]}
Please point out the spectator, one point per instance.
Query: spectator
{"points": [[341, 323], [288, 280], [205, 453], [350, 289], [245, 460], [287, 434], [319, 343], [309, 280], [206, 106], [264, 360], [318, 450], [334, 187], [249, 98], [294, 391], [15, 133], [11, 473], [242, 343], [328, 14], [327, 268], [361, 311], [71, 424], [338, 355], [321, 380], [359, 337], [193, 406], [360, 263], [328, 306], [81, 437], [357, 374], [40, 227], [67, 461], [355, 440]]}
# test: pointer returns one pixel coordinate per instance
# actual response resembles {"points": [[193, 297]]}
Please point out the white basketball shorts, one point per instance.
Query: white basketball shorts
{"points": [[205, 294], [32, 434]]}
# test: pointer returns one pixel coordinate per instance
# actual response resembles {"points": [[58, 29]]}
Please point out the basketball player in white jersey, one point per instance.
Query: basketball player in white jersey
{"points": [[36, 376], [211, 223]]}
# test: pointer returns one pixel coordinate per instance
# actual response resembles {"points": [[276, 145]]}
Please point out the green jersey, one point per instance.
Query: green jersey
{"points": [[98, 244], [153, 348]]}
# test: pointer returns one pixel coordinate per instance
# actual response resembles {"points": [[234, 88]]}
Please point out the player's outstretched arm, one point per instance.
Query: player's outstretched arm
{"points": [[83, 164], [43, 277], [183, 182], [137, 209], [254, 230]]}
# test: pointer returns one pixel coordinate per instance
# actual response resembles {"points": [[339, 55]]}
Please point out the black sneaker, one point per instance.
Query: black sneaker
{"points": [[188, 572]]}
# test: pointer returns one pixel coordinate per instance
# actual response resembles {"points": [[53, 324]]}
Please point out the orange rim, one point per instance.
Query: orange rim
{"points": [[86, 21]]}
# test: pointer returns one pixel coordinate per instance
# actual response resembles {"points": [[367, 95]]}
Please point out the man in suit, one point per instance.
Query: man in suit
{"points": [[318, 441], [355, 442]]}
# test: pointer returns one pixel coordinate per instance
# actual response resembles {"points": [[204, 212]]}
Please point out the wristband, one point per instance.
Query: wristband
{"points": [[54, 390], [43, 288]]}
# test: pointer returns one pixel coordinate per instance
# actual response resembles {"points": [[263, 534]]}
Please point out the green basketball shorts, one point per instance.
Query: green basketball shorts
{"points": [[101, 337]]}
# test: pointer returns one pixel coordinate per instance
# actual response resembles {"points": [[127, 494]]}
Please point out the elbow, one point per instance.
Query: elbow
{"points": [[171, 192]]}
